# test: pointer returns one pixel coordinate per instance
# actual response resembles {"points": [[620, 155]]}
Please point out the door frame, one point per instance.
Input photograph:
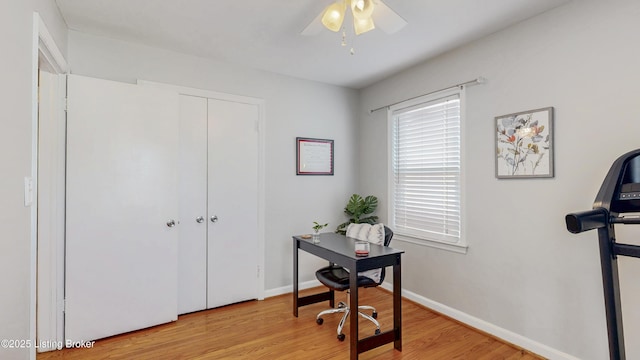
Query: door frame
{"points": [[45, 49], [260, 103]]}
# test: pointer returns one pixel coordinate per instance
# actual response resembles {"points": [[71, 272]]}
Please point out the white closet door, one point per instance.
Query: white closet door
{"points": [[121, 255], [192, 247], [233, 202]]}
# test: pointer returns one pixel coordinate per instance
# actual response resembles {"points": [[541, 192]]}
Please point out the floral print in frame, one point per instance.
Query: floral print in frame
{"points": [[524, 144]]}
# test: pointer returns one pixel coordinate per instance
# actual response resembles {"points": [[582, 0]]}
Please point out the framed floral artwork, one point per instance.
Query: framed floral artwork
{"points": [[524, 144]]}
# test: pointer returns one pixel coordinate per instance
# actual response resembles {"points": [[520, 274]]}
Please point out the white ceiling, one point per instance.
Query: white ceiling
{"points": [[265, 34]]}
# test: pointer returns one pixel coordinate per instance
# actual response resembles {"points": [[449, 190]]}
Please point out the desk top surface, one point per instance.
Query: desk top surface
{"points": [[345, 246]]}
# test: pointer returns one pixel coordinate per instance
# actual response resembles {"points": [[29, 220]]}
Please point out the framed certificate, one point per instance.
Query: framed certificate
{"points": [[314, 156]]}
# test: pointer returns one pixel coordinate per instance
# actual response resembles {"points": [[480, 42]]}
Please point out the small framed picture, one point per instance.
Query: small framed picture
{"points": [[314, 156], [524, 144]]}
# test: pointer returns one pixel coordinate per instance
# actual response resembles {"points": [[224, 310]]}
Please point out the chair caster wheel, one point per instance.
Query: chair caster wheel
{"points": [[319, 321], [341, 337], [377, 332], [374, 315]]}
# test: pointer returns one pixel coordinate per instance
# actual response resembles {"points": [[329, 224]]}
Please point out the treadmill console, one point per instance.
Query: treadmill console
{"points": [[629, 191], [626, 197]]}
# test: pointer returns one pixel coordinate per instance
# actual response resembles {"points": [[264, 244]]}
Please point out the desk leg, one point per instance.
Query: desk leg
{"points": [[397, 304], [296, 245], [353, 315]]}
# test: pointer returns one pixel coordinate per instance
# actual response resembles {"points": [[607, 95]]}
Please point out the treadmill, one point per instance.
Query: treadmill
{"points": [[619, 195]]}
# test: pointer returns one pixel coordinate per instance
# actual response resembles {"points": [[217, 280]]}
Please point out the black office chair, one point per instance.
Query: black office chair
{"points": [[337, 278]]}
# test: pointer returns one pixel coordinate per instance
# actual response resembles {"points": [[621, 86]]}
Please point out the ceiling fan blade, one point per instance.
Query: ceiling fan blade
{"points": [[314, 27], [386, 19]]}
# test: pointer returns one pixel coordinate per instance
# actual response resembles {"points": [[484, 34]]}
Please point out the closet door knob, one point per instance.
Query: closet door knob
{"points": [[200, 219], [214, 218], [171, 223]]}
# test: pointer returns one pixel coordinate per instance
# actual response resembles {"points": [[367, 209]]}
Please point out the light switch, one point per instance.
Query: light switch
{"points": [[28, 191]]}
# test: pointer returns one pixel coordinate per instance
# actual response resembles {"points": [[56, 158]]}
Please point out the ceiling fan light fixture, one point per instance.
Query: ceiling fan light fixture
{"points": [[361, 26], [334, 16], [362, 9]]}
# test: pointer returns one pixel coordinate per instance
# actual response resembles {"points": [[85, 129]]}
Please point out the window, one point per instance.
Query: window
{"points": [[425, 178]]}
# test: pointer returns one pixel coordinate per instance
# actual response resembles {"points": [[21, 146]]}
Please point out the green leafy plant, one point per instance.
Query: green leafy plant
{"points": [[357, 209], [317, 227]]}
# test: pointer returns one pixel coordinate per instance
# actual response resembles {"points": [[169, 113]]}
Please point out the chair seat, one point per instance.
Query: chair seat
{"points": [[337, 278]]}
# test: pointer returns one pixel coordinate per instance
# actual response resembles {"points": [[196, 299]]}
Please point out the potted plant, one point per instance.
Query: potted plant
{"points": [[316, 231], [357, 209]]}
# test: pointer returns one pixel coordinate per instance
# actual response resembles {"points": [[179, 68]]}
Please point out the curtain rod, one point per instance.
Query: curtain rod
{"points": [[479, 80]]}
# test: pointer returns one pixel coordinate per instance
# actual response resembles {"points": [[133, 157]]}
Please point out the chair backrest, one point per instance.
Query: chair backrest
{"points": [[388, 235]]}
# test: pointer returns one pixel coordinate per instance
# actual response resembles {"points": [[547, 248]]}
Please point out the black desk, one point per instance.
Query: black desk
{"points": [[340, 250]]}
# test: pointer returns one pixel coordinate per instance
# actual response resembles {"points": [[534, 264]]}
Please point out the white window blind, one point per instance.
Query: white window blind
{"points": [[426, 170]]}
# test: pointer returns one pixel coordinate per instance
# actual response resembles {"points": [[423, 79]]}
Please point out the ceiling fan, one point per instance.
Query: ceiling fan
{"points": [[367, 15]]}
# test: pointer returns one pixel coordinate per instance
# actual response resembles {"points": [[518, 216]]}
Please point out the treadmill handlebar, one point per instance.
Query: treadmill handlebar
{"points": [[587, 220]]}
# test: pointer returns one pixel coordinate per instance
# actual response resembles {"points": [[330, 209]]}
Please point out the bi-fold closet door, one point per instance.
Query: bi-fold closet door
{"points": [[218, 201], [147, 170], [121, 260]]}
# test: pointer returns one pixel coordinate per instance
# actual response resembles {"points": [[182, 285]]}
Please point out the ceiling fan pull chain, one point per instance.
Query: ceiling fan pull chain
{"points": [[352, 50], [344, 41]]}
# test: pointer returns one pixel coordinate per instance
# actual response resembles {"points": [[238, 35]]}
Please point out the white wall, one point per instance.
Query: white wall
{"points": [[293, 108], [523, 272], [16, 27]]}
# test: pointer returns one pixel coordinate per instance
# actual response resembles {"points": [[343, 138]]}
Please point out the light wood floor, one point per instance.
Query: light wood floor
{"points": [[268, 330]]}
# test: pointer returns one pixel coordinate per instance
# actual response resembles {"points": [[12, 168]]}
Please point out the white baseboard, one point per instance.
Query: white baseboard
{"points": [[504, 334], [289, 289]]}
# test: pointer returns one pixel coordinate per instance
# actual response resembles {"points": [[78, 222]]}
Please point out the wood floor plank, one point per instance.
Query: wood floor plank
{"points": [[268, 330]]}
